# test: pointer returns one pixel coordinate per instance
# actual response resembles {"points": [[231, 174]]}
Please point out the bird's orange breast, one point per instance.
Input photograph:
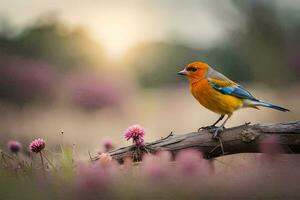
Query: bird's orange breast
{"points": [[214, 100]]}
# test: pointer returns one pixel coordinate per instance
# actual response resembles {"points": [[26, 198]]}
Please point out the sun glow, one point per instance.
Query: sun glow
{"points": [[117, 32]]}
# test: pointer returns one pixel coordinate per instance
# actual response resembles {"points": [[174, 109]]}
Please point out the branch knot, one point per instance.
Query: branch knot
{"points": [[248, 135]]}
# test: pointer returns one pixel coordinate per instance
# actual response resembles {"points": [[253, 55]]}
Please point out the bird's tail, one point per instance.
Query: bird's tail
{"points": [[268, 105]]}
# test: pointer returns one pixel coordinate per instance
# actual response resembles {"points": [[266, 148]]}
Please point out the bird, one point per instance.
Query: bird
{"points": [[219, 94]]}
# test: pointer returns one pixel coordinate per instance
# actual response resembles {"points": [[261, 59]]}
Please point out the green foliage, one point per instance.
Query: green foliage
{"points": [[54, 42], [67, 163]]}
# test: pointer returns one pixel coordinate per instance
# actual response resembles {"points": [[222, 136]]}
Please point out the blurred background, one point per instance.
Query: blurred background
{"points": [[92, 69]]}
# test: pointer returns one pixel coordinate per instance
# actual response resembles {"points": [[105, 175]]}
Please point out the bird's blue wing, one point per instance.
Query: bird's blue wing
{"points": [[226, 86], [236, 90]]}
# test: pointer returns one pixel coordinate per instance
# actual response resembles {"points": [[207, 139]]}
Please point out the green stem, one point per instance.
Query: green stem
{"points": [[16, 156], [3, 158], [42, 160], [52, 165]]}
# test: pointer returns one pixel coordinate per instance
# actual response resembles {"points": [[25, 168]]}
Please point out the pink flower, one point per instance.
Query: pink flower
{"points": [[37, 145], [157, 167], [14, 146], [91, 92], [136, 133], [92, 182], [107, 144], [105, 159], [271, 147], [190, 163]]}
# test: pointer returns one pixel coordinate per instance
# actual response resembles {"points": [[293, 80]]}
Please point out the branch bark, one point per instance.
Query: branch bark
{"points": [[241, 139]]}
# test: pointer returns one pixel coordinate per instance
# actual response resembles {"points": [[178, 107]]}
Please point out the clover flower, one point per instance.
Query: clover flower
{"points": [[136, 133], [14, 146], [37, 145], [105, 159], [270, 147], [107, 144], [157, 167], [91, 182], [190, 163]]}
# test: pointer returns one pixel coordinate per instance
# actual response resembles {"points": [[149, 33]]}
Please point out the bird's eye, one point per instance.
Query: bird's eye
{"points": [[193, 69]]}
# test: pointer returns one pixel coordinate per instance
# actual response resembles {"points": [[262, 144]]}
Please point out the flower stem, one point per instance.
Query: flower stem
{"points": [[42, 160], [52, 165]]}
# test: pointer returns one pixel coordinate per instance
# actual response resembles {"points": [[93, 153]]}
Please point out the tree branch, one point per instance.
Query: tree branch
{"points": [[241, 139]]}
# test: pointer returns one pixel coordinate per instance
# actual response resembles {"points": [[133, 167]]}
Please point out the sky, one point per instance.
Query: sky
{"points": [[121, 24]]}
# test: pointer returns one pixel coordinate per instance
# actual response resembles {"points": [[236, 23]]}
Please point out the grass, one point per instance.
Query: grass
{"points": [[189, 176]]}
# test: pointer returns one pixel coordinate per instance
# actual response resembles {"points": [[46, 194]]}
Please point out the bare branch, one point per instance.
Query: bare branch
{"points": [[241, 139]]}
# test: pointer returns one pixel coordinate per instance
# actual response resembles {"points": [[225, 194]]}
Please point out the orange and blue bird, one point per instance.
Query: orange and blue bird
{"points": [[219, 94]]}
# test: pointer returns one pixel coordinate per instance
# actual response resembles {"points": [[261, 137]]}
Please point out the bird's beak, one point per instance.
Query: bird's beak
{"points": [[182, 72]]}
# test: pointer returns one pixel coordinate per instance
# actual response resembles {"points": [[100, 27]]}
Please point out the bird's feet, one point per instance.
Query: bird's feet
{"points": [[210, 128], [214, 130], [217, 132]]}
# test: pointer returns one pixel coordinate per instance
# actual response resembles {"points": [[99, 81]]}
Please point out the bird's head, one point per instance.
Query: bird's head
{"points": [[195, 71]]}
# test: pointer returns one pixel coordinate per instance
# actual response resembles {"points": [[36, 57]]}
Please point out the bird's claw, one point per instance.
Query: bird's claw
{"points": [[209, 128], [217, 131]]}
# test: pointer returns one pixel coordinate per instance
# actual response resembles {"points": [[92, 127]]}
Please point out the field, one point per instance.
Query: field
{"points": [[78, 79], [68, 172]]}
